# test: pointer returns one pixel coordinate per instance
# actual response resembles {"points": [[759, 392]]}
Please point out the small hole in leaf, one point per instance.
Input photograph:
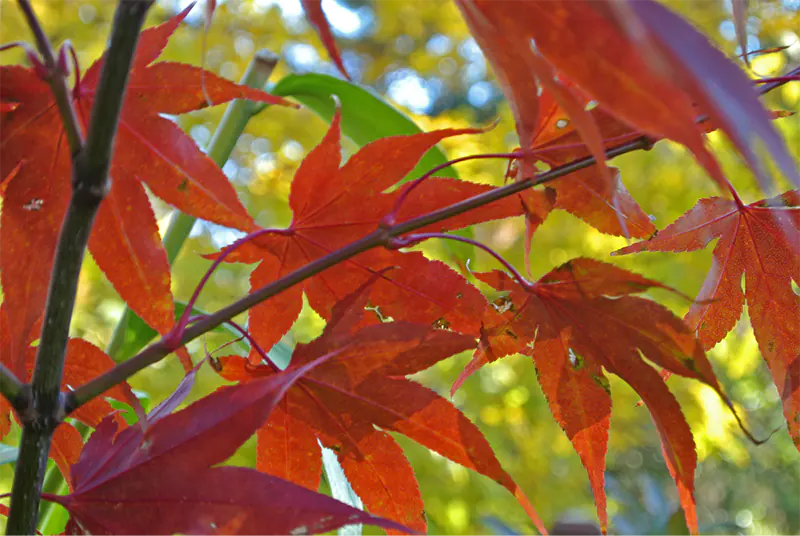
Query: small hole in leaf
{"points": [[503, 304], [378, 313], [562, 123], [575, 359], [441, 323]]}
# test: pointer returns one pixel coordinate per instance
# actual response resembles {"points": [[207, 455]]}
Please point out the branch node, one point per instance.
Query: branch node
{"points": [[26, 407]]}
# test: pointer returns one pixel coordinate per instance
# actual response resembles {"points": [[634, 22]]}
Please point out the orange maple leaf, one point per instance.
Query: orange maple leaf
{"points": [[361, 386], [762, 242], [84, 361], [582, 318], [644, 64], [333, 206]]}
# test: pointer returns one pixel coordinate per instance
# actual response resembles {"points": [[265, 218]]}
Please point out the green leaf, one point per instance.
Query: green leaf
{"points": [[128, 413], [365, 116], [8, 454], [138, 334], [676, 524]]}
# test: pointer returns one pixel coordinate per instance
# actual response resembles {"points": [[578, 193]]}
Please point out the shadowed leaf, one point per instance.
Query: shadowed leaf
{"points": [[362, 386], [582, 318], [162, 481]]}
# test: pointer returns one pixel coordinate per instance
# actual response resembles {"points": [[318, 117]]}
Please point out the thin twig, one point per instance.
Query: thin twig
{"points": [[390, 218], [12, 389], [175, 333], [57, 79], [416, 238]]}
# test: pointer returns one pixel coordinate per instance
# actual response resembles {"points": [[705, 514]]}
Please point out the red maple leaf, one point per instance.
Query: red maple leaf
{"points": [[149, 149], [592, 194], [362, 386], [576, 321], [644, 64], [762, 242], [162, 481], [333, 206], [316, 16], [606, 206]]}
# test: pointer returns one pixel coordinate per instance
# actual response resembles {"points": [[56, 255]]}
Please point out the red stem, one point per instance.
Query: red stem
{"points": [[76, 88], [412, 239], [253, 344], [390, 218], [176, 332], [781, 79]]}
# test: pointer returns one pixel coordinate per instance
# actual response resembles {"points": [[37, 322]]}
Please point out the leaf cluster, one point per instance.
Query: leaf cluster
{"points": [[593, 80]]}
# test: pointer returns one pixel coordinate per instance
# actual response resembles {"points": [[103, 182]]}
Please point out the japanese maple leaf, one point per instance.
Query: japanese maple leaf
{"points": [[83, 362], [162, 481], [316, 16], [606, 206], [546, 128], [333, 206], [149, 149], [762, 242], [362, 386], [647, 66], [582, 318]]}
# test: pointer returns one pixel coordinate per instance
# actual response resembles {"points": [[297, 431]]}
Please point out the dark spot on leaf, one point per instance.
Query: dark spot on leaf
{"points": [[441, 323], [603, 382], [183, 186]]}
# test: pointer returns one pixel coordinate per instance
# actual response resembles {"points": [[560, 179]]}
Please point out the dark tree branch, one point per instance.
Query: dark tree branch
{"points": [[90, 184], [12, 389]]}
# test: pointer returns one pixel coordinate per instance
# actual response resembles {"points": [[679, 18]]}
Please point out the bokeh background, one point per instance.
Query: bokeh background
{"points": [[419, 56]]}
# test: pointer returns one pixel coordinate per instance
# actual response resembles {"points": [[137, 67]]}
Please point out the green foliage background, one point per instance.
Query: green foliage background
{"points": [[740, 488]]}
